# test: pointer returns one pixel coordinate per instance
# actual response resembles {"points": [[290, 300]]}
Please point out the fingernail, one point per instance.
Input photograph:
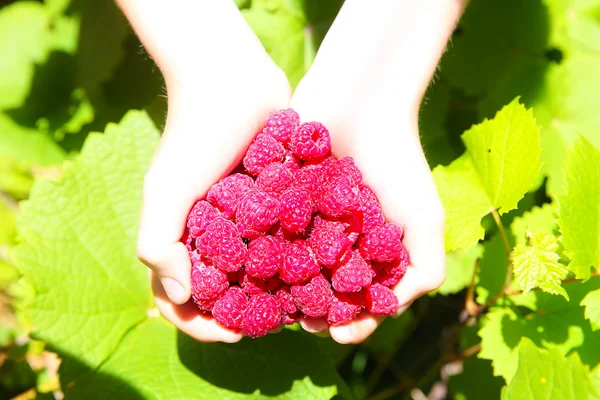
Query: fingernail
{"points": [[345, 334], [174, 290]]}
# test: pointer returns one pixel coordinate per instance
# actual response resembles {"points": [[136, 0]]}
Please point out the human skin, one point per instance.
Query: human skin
{"points": [[221, 86]]}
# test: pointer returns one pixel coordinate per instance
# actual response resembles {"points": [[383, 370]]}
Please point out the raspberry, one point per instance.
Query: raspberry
{"points": [[265, 257], [372, 214], [352, 276], [274, 179], [257, 212], [390, 273], [291, 161], [329, 242], [299, 263], [229, 309], [226, 194], [344, 308], [340, 197], [310, 141], [286, 303], [222, 244], [310, 177], [208, 285], [313, 299], [262, 315], [285, 235], [382, 244], [295, 209], [343, 167], [202, 214], [282, 124], [263, 151], [252, 285], [380, 300]]}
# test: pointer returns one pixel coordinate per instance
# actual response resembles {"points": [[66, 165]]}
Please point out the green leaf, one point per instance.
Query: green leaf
{"points": [[499, 166], [591, 302], [492, 270], [547, 374], [77, 247], [595, 377], [15, 177], [459, 269], [551, 322], [476, 381], [539, 219], [179, 367], [579, 209], [536, 264]]}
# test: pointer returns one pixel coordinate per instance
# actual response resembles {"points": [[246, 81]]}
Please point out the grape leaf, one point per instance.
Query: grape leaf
{"points": [[499, 166], [77, 247], [575, 24], [595, 377], [476, 381], [547, 374], [553, 322], [592, 308], [579, 209], [182, 368], [535, 264], [459, 269], [539, 219]]}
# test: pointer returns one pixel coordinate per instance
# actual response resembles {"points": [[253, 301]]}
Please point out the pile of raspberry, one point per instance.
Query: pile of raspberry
{"points": [[292, 233]]}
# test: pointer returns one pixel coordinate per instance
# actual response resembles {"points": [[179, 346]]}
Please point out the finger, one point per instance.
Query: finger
{"points": [[357, 330], [188, 319], [318, 326]]}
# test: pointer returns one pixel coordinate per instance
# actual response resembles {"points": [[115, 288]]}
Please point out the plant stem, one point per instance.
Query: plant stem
{"points": [[470, 304], [506, 248]]}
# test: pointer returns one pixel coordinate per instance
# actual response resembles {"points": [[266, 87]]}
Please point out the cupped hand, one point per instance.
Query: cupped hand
{"points": [[380, 132], [213, 116]]}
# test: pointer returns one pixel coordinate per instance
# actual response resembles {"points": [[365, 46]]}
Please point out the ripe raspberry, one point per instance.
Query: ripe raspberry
{"points": [[262, 315], [295, 209], [310, 141], [341, 197], [263, 151], [329, 242], [344, 308], [343, 167], [229, 309], [310, 177], [226, 194], [274, 179], [390, 273], [252, 285], [265, 257], [208, 285], [372, 214], [313, 299], [380, 300], [352, 276], [286, 236], [222, 244], [202, 214], [382, 244], [286, 303], [282, 124], [299, 263], [257, 212], [291, 161]]}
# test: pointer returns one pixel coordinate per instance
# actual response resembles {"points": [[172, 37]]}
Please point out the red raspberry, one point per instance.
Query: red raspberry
{"points": [[274, 179], [257, 212], [310, 177], [265, 257], [222, 244], [252, 285], [372, 214], [299, 263], [262, 152], [390, 273], [202, 214], [341, 197], [344, 308], [311, 141], [313, 299], [229, 309], [282, 124], [352, 276], [343, 167], [295, 209], [380, 300], [262, 315], [286, 236], [286, 303], [208, 285], [226, 194], [382, 244], [291, 161], [329, 242]]}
